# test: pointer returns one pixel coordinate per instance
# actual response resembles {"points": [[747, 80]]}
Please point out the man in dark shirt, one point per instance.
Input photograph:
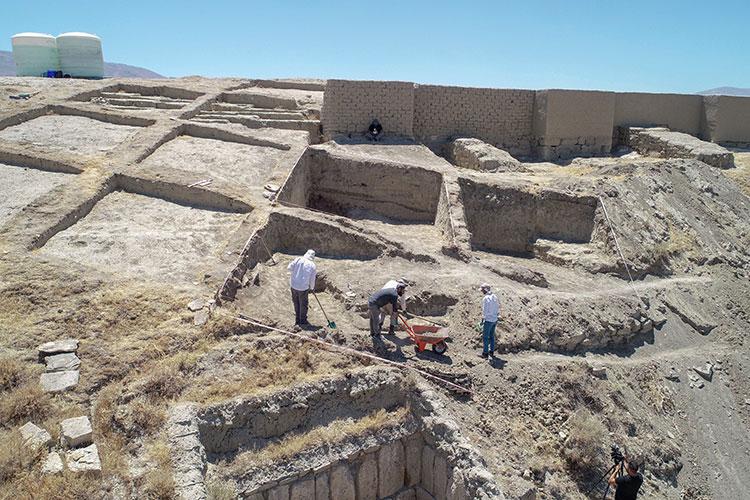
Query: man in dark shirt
{"points": [[375, 130], [628, 484], [385, 300]]}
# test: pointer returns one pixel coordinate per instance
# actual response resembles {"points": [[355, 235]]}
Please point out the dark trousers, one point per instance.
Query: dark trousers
{"points": [[299, 298]]}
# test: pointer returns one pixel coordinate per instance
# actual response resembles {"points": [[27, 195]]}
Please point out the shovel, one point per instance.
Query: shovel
{"points": [[331, 324]]}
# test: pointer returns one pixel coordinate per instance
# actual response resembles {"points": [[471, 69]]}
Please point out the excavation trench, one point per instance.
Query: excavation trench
{"points": [[294, 235], [363, 189], [368, 434], [510, 220]]}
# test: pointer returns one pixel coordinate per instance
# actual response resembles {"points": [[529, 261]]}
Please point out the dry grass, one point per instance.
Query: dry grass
{"points": [[741, 174], [583, 449], [12, 373], [26, 403], [266, 370], [679, 242], [336, 431], [159, 482], [220, 490], [15, 458]]}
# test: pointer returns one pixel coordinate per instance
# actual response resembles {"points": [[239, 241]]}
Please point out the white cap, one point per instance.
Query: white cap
{"points": [[310, 254], [485, 287]]}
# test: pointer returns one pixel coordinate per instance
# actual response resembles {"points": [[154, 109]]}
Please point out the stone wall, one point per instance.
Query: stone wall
{"points": [[678, 112], [349, 106], [422, 456], [726, 119], [570, 123], [405, 469], [501, 117]]}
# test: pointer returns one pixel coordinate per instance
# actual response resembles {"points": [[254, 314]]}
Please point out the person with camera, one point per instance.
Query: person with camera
{"points": [[626, 485]]}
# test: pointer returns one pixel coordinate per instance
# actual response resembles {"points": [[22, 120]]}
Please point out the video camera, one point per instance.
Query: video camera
{"points": [[616, 454]]}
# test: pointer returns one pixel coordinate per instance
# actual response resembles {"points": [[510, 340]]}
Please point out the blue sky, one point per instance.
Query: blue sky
{"points": [[655, 46]]}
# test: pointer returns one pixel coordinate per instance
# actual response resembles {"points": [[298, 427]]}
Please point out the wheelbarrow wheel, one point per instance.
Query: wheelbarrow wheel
{"points": [[440, 347]]}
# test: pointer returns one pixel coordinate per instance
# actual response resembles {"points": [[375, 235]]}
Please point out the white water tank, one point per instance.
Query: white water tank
{"points": [[80, 55], [35, 54]]}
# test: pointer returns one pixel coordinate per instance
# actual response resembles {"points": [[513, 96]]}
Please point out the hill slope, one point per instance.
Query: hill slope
{"points": [[8, 68], [726, 91]]}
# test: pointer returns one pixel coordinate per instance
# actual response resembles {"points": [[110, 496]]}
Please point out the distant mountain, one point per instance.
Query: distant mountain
{"points": [[8, 68], [726, 91]]}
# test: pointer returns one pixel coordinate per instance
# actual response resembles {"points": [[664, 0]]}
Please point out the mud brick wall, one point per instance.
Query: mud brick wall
{"points": [[501, 117], [350, 106], [549, 124], [570, 123], [726, 119], [678, 112]]}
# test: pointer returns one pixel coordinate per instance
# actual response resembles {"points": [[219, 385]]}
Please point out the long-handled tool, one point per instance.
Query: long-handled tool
{"points": [[331, 324], [408, 314]]}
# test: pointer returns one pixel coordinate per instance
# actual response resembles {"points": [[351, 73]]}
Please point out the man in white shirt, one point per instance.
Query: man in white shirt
{"points": [[490, 314], [392, 285], [302, 280]]}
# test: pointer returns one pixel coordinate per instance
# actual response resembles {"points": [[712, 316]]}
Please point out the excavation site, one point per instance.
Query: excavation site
{"points": [[155, 239]]}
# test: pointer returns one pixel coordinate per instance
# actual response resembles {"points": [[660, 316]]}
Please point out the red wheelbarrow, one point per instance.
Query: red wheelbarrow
{"points": [[424, 335]]}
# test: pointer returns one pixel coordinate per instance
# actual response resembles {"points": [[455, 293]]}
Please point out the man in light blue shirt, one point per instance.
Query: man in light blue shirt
{"points": [[490, 314]]}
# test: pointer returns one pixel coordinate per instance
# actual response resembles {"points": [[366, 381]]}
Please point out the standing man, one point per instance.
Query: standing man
{"points": [[627, 485], [302, 281], [393, 284], [490, 313], [385, 300]]}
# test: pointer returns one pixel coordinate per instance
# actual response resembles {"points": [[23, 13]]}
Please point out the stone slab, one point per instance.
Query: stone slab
{"points": [[34, 436], [342, 483], [390, 469], [76, 431], [322, 490], [84, 459], [66, 361], [303, 489], [58, 347], [58, 381], [367, 478], [53, 464]]}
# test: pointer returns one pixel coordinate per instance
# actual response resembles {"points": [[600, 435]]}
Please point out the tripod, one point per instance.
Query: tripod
{"points": [[619, 466]]}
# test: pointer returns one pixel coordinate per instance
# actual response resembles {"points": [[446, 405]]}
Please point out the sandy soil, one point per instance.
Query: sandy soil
{"points": [[19, 186], [251, 166], [74, 134], [303, 97], [135, 235]]}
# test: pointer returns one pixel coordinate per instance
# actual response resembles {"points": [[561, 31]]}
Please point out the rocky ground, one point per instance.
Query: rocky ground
{"points": [[120, 227]]}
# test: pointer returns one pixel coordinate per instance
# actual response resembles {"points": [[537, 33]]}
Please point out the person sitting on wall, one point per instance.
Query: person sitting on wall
{"points": [[374, 131]]}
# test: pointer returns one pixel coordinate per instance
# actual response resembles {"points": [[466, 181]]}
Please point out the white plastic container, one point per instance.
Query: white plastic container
{"points": [[35, 54], [80, 55]]}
